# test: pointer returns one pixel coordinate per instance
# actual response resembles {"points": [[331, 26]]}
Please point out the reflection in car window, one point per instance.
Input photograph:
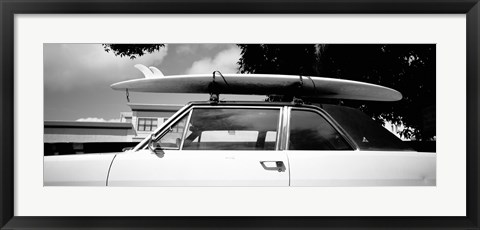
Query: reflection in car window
{"points": [[232, 129], [230, 136], [366, 133], [172, 139], [310, 131]]}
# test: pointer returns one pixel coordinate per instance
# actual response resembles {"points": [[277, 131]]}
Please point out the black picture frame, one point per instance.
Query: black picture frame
{"points": [[9, 8]]}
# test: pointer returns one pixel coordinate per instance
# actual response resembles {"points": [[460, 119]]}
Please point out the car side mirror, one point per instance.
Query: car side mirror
{"points": [[127, 149], [154, 147], [193, 129]]}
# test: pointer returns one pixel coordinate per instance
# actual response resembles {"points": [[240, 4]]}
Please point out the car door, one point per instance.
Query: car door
{"points": [[320, 155], [210, 146]]}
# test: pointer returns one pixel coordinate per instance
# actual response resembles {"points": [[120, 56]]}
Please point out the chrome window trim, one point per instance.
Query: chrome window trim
{"points": [[279, 130], [283, 126], [163, 132], [159, 132], [286, 125], [279, 125], [329, 120], [339, 128], [236, 106], [184, 134]]}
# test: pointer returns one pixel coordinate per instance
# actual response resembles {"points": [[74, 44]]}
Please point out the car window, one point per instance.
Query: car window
{"points": [[232, 129], [172, 139], [366, 133], [310, 131]]}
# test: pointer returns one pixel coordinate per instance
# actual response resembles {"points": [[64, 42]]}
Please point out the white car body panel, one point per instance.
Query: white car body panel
{"points": [[362, 168], [198, 168], [77, 170], [243, 168]]}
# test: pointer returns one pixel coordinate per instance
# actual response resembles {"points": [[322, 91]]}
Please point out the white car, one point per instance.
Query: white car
{"points": [[255, 144]]}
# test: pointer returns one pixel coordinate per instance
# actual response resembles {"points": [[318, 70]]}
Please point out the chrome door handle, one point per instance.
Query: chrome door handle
{"points": [[273, 165]]}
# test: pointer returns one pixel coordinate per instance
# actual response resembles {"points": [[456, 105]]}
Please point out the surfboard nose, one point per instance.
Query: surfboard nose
{"points": [[397, 96], [116, 86]]}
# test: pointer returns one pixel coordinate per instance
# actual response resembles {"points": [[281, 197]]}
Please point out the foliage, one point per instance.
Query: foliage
{"points": [[132, 50], [408, 68], [279, 59]]}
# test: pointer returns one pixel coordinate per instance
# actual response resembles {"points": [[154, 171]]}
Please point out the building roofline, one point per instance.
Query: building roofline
{"points": [[83, 125], [154, 107]]}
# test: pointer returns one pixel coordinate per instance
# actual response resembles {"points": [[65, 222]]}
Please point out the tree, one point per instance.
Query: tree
{"points": [[132, 50], [280, 59], [409, 69]]}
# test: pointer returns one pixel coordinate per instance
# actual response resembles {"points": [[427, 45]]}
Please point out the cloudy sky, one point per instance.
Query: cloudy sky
{"points": [[77, 77]]}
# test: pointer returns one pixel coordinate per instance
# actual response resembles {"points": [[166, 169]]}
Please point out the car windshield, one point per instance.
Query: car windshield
{"points": [[366, 133]]}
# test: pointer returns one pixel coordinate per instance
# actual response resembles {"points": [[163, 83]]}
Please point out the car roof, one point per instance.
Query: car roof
{"points": [[254, 103]]}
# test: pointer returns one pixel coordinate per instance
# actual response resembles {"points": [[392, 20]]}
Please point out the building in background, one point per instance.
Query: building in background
{"points": [[145, 118], [69, 137], [81, 132]]}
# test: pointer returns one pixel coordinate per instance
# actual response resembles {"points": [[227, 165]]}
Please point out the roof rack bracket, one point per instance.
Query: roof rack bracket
{"points": [[297, 101], [214, 98]]}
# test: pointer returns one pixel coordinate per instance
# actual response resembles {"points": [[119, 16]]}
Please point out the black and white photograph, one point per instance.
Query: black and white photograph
{"points": [[252, 114], [220, 114]]}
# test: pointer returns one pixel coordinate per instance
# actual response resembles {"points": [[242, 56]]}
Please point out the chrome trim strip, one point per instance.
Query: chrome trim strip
{"points": [[286, 126], [236, 106], [190, 109], [185, 130], [160, 129], [342, 132], [279, 127], [279, 108]]}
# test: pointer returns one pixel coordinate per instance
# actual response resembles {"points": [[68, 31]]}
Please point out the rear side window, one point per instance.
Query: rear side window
{"points": [[366, 133], [232, 129], [310, 131]]}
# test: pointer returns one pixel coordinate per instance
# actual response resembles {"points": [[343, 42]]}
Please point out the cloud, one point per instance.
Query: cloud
{"points": [[197, 48], [185, 49], [96, 119], [73, 65], [225, 62]]}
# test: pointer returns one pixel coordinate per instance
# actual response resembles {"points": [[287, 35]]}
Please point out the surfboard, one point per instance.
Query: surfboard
{"points": [[262, 84]]}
